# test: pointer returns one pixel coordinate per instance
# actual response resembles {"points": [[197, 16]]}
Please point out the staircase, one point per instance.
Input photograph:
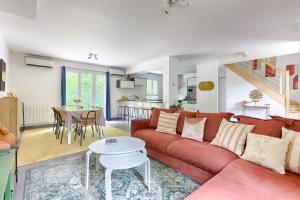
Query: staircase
{"points": [[271, 80]]}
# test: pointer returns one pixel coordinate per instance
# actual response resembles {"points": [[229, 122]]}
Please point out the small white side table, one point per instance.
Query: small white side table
{"points": [[124, 161], [124, 145]]}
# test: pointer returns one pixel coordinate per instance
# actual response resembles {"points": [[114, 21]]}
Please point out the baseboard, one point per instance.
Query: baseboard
{"points": [[36, 127]]}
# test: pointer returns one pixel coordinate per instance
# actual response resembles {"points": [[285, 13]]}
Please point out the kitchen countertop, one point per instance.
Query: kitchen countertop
{"points": [[143, 101]]}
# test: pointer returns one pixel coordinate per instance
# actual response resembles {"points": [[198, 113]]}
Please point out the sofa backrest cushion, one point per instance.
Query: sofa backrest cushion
{"points": [[291, 124], [155, 115], [268, 127], [181, 119], [213, 122]]}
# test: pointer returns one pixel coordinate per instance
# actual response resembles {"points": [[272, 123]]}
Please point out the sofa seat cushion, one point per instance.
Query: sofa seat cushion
{"points": [[201, 154], [156, 140], [244, 180]]}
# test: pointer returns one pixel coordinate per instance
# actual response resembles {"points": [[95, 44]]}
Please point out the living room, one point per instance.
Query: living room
{"points": [[164, 99]]}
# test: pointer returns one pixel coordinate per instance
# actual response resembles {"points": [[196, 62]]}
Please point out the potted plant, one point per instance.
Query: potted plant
{"points": [[177, 105]]}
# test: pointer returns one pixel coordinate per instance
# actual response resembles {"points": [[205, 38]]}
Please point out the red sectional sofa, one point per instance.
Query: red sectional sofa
{"points": [[223, 174]]}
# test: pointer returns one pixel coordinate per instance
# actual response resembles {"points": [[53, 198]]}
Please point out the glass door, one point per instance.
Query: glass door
{"points": [[88, 86], [86, 89]]}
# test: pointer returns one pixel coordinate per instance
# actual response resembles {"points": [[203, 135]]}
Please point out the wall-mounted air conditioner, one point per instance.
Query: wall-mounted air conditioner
{"points": [[116, 71], [38, 62]]}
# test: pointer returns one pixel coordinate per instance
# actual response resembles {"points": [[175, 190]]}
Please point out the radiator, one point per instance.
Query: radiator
{"points": [[34, 115]]}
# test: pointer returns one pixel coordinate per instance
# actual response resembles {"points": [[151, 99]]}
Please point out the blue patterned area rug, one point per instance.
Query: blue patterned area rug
{"points": [[65, 179]]}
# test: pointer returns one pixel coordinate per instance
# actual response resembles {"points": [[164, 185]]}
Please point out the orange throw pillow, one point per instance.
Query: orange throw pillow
{"points": [[3, 130], [9, 139]]}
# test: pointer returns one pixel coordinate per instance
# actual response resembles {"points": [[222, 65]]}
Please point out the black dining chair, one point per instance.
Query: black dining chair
{"points": [[60, 124], [55, 118], [87, 119]]}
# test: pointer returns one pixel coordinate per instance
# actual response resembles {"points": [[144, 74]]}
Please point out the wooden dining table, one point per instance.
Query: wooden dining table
{"points": [[75, 112]]}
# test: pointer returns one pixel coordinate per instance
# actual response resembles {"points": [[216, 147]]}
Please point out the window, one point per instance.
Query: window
{"points": [[71, 87], [151, 89], [88, 86]]}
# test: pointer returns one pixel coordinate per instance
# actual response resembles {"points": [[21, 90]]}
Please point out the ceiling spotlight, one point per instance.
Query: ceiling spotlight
{"points": [[243, 55], [92, 55], [175, 3]]}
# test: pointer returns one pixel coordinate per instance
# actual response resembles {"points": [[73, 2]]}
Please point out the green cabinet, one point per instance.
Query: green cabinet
{"points": [[7, 174]]}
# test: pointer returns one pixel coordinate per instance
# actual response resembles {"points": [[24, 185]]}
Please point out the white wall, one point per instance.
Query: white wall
{"points": [[151, 76], [150, 65], [40, 86], [182, 84], [207, 101], [237, 90], [170, 82], [282, 61], [4, 54], [139, 91]]}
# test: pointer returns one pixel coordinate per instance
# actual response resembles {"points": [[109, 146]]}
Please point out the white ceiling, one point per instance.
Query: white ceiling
{"points": [[124, 33]]}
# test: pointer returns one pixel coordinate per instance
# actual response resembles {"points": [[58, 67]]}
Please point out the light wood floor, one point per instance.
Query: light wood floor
{"points": [[40, 144]]}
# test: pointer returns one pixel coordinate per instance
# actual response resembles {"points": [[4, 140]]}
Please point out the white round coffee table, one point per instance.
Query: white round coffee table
{"points": [[124, 145]]}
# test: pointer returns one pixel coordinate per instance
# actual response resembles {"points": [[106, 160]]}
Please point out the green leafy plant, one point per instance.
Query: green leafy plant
{"points": [[177, 104]]}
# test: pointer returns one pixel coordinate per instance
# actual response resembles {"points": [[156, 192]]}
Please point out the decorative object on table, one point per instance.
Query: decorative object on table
{"points": [[206, 86], [256, 95], [293, 75], [123, 98], [10, 94], [111, 141], [178, 104], [2, 75], [51, 180], [78, 101]]}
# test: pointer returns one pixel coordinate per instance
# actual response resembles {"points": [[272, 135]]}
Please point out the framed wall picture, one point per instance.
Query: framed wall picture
{"points": [[293, 72], [2, 75]]}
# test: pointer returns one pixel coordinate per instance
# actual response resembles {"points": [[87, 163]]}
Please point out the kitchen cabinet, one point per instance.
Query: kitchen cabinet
{"points": [[125, 84], [139, 81], [192, 81]]}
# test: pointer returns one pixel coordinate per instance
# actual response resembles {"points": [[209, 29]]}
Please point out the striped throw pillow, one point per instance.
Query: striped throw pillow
{"points": [[167, 122], [292, 162], [232, 136]]}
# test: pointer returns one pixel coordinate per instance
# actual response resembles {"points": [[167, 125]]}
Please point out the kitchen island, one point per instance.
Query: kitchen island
{"points": [[141, 103]]}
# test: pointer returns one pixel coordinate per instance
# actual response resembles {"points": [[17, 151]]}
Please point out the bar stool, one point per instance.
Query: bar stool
{"points": [[146, 112], [122, 112]]}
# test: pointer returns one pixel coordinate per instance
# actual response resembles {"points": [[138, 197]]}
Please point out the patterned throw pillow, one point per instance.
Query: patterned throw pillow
{"points": [[167, 122], [292, 162], [266, 151], [232, 136], [193, 128]]}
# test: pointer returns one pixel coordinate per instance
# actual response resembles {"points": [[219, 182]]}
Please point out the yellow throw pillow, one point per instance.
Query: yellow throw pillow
{"points": [[193, 128], [292, 162], [266, 151], [167, 122], [232, 136]]}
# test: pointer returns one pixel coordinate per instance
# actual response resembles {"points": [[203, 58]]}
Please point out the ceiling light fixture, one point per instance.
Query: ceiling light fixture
{"points": [[175, 3], [92, 55], [243, 55]]}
